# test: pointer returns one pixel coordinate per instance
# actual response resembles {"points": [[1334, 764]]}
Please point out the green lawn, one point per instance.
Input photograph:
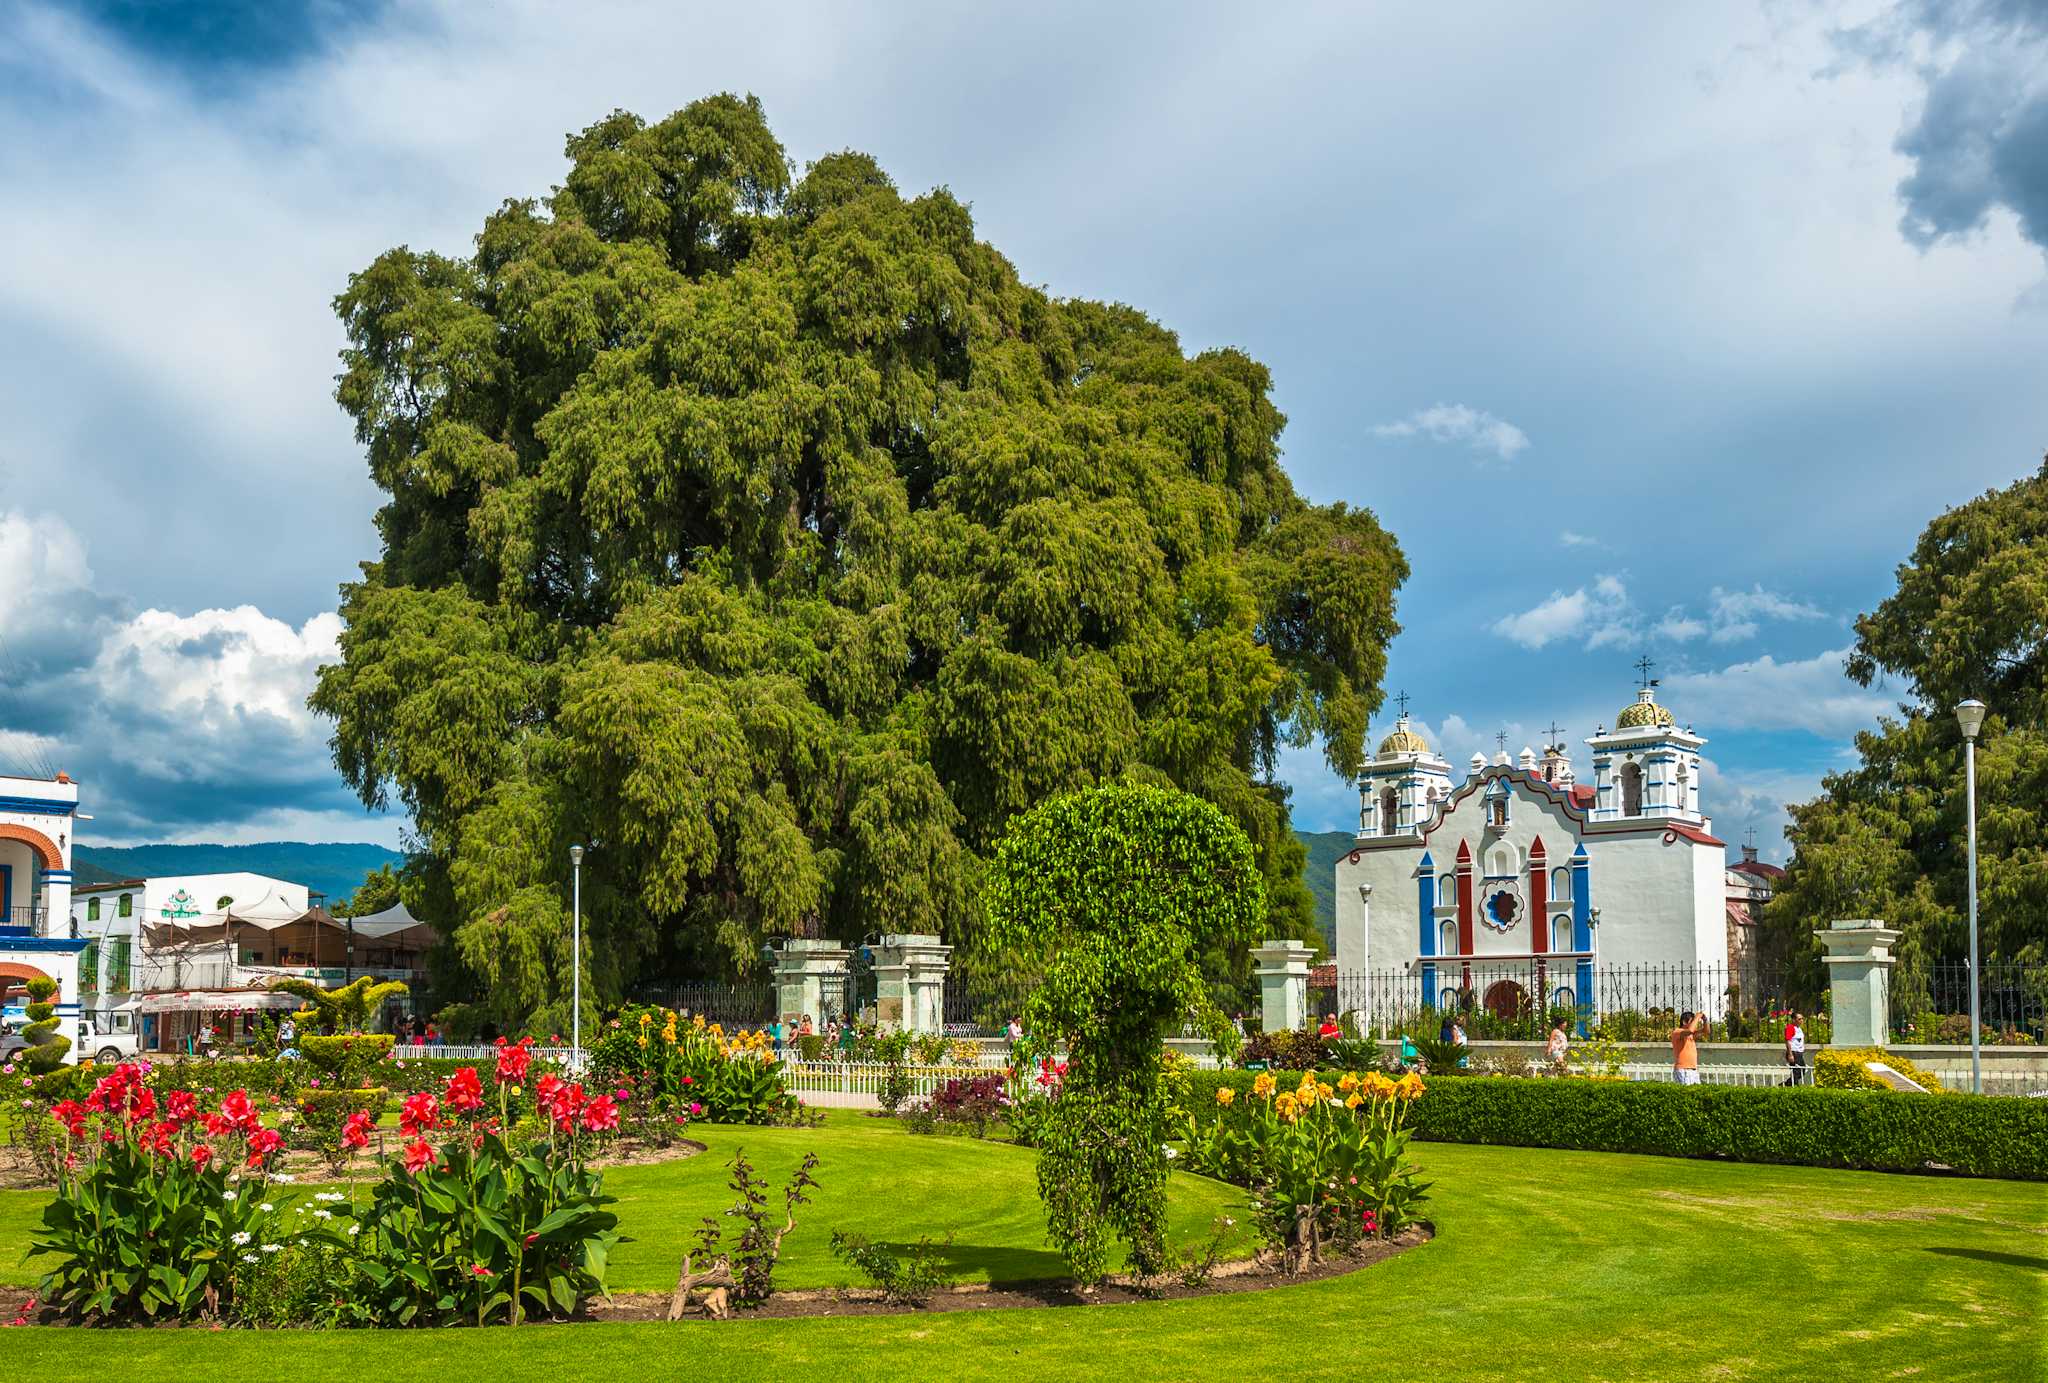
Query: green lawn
{"points": [[1577, 1266]]}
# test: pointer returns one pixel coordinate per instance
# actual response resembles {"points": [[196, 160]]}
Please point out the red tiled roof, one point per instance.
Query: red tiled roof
{"points": [[1768, 871], [1693, 834], [1583, 794]]}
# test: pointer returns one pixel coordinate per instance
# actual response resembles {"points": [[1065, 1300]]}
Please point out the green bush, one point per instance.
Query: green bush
{"points": [[346, 1058], [1875, 1130], [1844, 1069], [323, 1113], [46, 1046]]}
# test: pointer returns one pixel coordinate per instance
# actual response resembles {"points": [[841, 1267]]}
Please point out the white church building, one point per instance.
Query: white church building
{"points": [[1523, 882]]}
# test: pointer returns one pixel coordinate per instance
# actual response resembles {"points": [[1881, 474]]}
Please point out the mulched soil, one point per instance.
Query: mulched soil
{"points": [[1250, 1275]]}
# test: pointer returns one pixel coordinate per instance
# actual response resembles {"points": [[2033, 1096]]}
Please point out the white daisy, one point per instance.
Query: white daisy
{"points": [[266, 1207], [241, 1237]]}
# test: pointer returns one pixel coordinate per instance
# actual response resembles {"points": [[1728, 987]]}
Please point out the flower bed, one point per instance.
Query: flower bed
{"points": [[1324, 1158], [693, 1069], [165, 1208]]}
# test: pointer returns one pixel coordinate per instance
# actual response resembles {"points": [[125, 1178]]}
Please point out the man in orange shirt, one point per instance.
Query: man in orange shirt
{"points": [[1685, 1048]]}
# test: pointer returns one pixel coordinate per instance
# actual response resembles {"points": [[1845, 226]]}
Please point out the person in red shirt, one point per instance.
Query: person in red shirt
{"points": [[1329, 1030]]}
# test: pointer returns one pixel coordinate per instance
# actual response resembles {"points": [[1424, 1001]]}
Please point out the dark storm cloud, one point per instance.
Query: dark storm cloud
{"points": [[1979, 141]]}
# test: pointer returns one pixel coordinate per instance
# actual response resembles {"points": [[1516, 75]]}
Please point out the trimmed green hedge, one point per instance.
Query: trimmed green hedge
{"points": [[1875, 1130]]}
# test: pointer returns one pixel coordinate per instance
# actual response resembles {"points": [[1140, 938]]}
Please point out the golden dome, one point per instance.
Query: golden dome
{"points": [[1403, 740], [1644, 712]]}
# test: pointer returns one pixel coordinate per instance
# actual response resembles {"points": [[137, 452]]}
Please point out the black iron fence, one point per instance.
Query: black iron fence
{"points": [[984, 1005], [1932, 1003], [729, 1005], [1519, 1000]]}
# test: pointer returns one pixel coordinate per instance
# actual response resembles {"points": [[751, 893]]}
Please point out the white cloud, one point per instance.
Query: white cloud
{"points": [[40, 557], [1737, 614], [1571, 539], [1600, 612], [1678, 626], [1459, 423], [1811, 694]]}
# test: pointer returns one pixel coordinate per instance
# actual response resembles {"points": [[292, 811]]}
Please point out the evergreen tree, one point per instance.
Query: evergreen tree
{"points": [[769, 535], [1888, 838]]}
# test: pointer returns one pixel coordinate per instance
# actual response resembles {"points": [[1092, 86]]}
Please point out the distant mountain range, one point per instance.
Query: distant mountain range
{"points": [[332, 869], [1325, 848]]}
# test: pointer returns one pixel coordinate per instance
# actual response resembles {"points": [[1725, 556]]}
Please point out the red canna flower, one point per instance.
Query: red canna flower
{"points": [[71, 1114], [419, 1155], [262, 1143], [218, 1125], [356, 1132], [201, 1155], [239, 1111], [418, 1113], [464, 1091], [158, 1138], [601, 1115], [479, 1270], [181, 1106], [515, 1061]]}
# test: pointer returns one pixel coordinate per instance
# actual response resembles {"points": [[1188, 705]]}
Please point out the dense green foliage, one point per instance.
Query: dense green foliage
{"points": [[1113, 895], [770, 535], [1887, 838], [1987, 1136]]}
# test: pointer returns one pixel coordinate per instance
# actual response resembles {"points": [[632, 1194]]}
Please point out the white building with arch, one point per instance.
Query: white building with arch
{"points": [[1520, 877]]}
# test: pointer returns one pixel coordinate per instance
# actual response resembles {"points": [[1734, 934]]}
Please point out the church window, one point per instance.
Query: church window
{"points": [[1503, 861], [1447, 939], [1446, 890], [1561, 934], [1561, 885], [1632, 789], [1388, 812]]}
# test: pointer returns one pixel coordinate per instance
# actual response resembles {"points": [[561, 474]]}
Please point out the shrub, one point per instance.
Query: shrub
{"points": [[347, 1058], [1286, 1049], [746, 1273], [976, 1101], [1875, 1130], [929, 1048], [1841, 1069], [324, 1114], [46, 1046], [1113, 896], [909, 1277]]}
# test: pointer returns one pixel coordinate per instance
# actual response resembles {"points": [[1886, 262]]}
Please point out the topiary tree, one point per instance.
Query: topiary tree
{"points": [[46, 1046], [1114, 894], [347, 1009]]}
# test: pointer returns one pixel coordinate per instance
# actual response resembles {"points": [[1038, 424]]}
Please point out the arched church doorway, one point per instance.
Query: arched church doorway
{"points": [[1631, 789], [1507, 999]]}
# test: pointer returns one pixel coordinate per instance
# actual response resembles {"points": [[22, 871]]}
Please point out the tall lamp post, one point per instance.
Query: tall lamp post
{"points": [[1970, 716], [576, 957]]}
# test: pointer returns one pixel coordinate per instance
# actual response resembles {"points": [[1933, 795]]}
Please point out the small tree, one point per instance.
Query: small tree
{"points": [[1113, 895], [46, 1046], [347, 1009]]}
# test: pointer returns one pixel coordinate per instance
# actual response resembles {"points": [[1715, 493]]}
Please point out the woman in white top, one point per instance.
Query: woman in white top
{"points": [[1558, 1045]]}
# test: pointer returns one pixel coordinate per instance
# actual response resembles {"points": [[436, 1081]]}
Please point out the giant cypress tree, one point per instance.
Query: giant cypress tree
{"points": [[773, 537]]}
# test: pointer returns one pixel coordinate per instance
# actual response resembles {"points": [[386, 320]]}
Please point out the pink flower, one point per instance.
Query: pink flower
{"points": [[601, 1115]]}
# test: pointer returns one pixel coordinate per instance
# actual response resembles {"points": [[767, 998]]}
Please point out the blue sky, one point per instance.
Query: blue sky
{"points": [[1648, 329]]}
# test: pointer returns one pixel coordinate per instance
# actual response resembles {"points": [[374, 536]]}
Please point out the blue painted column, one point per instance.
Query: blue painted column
{"points": [[1582, 932], [1425, 911]]}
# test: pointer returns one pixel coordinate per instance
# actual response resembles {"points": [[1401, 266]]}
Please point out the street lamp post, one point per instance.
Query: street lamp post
{"points": [[1970, 716], [576, 957]]}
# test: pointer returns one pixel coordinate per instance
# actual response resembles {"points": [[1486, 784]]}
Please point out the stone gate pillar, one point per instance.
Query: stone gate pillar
{"points": [[808, 975], [910, 982], [1283, 984], [1859, 961]]}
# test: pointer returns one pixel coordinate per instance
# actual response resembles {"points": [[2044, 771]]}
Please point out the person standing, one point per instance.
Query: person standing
{"points": [[1558, 1047], [1685, 1048], [1795, 1050]]}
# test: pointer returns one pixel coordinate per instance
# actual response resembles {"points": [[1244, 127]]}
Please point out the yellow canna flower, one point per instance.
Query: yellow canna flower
{"points": [[643, 1041], [1324, 1091], [1348, 1083], [1353, 1100], [1263, 1084], [1224, 1094], [1409, 1087], [645, 1019], [1285, 1107]]}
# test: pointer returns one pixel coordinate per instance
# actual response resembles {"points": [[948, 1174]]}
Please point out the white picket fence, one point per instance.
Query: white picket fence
{"points": [[858, 1084]]}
